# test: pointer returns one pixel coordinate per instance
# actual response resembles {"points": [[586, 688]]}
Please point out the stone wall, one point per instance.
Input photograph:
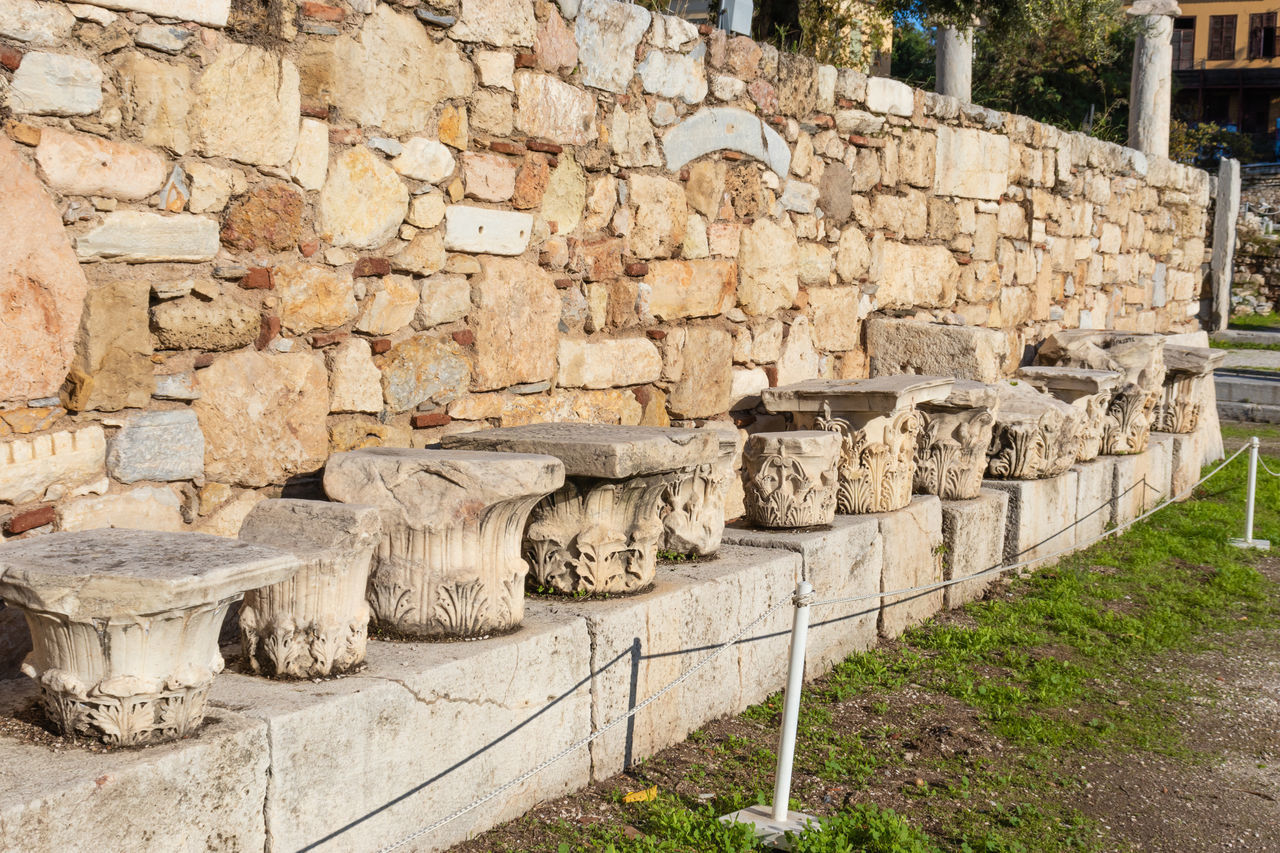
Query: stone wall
{"points": [[238, 237]]}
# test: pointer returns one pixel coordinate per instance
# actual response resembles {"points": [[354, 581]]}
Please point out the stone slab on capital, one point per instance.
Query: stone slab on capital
{"points": [[880, 394]]}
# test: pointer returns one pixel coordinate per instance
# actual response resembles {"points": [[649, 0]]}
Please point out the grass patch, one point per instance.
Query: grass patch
{"points": [[1255, 322]]}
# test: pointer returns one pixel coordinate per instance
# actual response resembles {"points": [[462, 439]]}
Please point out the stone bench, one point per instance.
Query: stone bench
{"points": [[124, 624], [1088, 390], [316, 622], [601, 532], [448, 565], [878, 425]]}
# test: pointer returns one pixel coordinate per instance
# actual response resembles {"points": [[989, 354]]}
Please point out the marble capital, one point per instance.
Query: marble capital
{"points": [[792, 478], [951, 447], [1035, 435], [693, 507], [1187, 369]]}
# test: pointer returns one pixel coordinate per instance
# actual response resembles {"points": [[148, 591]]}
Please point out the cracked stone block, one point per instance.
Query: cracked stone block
{"points": [[1042, 515], [972, 542]]}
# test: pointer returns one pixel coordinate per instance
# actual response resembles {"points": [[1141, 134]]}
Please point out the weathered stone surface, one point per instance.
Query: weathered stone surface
{"points": [[191, 323], [363, 201], [502, 23], [971, 163], [705, 387], [212, 13], [112, 369], [227, 518], [554, 46], [593, 407], [661, 216], [890, 96], [725, 128], [263, 416], [41, 285], [423, 368], [768, 268], [313, 297], [443, 299], [1035, 435], [246, 106], [670, 75], [55, 84], [608, 33], [631, 139], [143, 508], [156, 101], [607, 362], [157, 446], [52, 465], [516, 313], [211, 187], [677, 289], [134, 235], [836, 313], [791, 478], [488, 177], [80, 164], [424, 255], [426, 210], [907, 346], [1041, 516], [798, 359], [355, 383], [482, 230], [565, 196], [389, 309], [42, 24], [552, 109], [168, 39], [973, 541], [914, 559], [353, 73], [914, 276], [424, 160], [269, 219]]}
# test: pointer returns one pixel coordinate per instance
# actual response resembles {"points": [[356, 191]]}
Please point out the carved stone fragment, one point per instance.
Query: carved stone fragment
{"points": [[951, 447], [601, 532], [1034, 436], [315, 623], [1091, 391], [693, 508], [448, 564], [878, 424], [124, 624], [1139, 357], [1181, 402], [792, 478]]}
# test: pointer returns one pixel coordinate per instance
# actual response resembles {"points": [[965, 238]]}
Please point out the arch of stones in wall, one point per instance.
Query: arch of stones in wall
{"points": [[260, 263]]}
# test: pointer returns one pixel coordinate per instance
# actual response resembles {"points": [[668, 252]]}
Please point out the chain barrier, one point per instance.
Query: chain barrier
{"points": [[798, 600]]}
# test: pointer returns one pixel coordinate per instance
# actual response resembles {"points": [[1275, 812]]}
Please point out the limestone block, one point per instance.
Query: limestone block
{"points": [[913, 276], [693, 508], [246, 106], [768, 268], [972, 542], [706, 384], [408, 706], [448, 564], [353, 74], [363, 201], [908, 346], [80, 164], [112, 369], [212, 13], [355, 383], [134, 235], [678, 289], [1142, 479], [480, 230], [890, 96], [313, 297], [1187, 456], [55, 84], [673, 75], [310, 162], [608, 33], [1095, 498], [912, 557], [40, 281], [549, 108], [631, 139], [798, 359], [391, 308], [227, 518], [61, 799], [607, 362], [314, 623], [443, 299], [565, 196], [721, 128], [143, 508], [157, 98], [422, 368], [51, 465], [424, 160], [791, 478], [516, 311], [42, 24], [661, 215], [502, 23], [162, 446], [971, 164], [1042, 516], [124, 624], [263, 416], [192, 323]]}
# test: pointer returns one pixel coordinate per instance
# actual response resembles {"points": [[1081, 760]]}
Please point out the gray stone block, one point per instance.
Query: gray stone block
{"points": [[912, 557], [1187, 454], [1095, 498], [1142, 479], [1042, 516], [157, 446], [972, 542], [203, 793]]}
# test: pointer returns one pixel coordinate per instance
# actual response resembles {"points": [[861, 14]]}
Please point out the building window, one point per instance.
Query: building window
{"points": [[1262, 35], [1184, 43], [1222, 36]]}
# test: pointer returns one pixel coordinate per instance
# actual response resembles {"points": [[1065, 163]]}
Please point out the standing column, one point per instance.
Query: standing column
{"points": [[1226, 210], [954, 64], [1151, 85]]}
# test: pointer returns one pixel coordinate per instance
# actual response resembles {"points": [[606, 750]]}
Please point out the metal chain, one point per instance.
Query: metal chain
{"points": [[723, 647]]}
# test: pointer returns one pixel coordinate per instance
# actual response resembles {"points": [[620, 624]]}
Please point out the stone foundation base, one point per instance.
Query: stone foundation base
{"points": [[912, 557], [972, 541], [1042, 515]]}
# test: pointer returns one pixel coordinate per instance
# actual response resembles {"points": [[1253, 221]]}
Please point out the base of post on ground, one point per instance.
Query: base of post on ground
{"points": [[772, 833], [1256, 544]]}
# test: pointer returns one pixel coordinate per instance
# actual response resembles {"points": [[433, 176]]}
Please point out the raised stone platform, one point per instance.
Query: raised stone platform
{"points": [[1042, 515], [972, 542]]}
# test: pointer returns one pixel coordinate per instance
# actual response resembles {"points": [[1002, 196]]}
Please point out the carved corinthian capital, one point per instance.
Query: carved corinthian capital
{"points": [[1188, 370], [792, 478], [693, 507], [448, 564], [951, 447], [1035, 435]]}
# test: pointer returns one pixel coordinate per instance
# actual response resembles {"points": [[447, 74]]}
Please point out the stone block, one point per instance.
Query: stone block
{"points": [[607, 363], [548, 108], [1042, 516], [421, 368], [80, 164], [134, 235], [706, 383], [216, 326], [416, 733], [479, 230], [844, 560], [212, 13], [679, 289], [912, 557], [363, 201], [1142, 479], [972, 541], [608, 33], [163, 798], [35, 23], [932, 349], [246, 106], [157, 446], [112, 369], [55, 84], [768, 268], [1095, 498], [503, 23], [1187, 453], [890, 96], [725, 128], [143, 508], [515, 317], [914, 276], [971, 164], [52, 465]]}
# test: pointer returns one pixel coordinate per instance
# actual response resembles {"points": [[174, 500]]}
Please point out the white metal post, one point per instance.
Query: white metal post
{"points": [[1248, 541], [791, 702]]}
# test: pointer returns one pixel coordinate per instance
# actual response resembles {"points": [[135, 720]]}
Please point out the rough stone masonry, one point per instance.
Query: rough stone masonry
{"points": [[240, 237]]}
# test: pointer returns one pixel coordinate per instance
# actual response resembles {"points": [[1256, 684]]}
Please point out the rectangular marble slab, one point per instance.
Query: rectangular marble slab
{"points": [[879, 394], [1196, 361], [1076, 379]]}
